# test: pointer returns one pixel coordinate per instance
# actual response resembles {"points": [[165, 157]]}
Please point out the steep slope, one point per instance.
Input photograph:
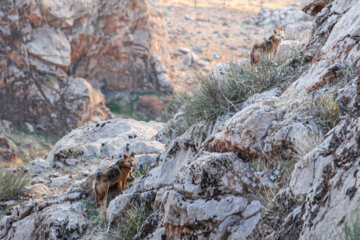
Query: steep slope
{"points": [[208, 183]]}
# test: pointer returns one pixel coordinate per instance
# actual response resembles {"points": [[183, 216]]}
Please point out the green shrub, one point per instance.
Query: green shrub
{"points": [[352, 232], [130, 223], [11, 184], [213, 97], [140, 172]]}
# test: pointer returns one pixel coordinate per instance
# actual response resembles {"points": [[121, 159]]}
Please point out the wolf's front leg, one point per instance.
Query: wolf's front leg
{"points": [[274, 54], [119, 187]]}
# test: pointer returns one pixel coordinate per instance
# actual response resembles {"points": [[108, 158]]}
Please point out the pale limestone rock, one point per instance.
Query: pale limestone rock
{"points": [[69, 10], [245, 131], [332, 197], [109, 138], [178, 153], [59, 181], [196, 180], [51, 46], [57, 221]]}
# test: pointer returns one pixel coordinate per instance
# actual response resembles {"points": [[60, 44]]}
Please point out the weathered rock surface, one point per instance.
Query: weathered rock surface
{"points": [[259, 130], [327, 175], [312, 7], [207, 194], [62, 221], [108, 138]]}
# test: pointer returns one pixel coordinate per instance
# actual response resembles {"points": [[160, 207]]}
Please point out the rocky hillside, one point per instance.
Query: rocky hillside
{"points": [[282, 164]]}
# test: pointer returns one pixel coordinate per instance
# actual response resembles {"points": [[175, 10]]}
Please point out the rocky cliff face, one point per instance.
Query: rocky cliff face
{"points": [[52, 50], [208, 182], [116, 45]]}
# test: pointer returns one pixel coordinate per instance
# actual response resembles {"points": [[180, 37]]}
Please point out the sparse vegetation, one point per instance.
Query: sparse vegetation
{"points": [[96, 218], [323, 110], [11, 184], [73, 153], [125, 106], [214, 96], [131, 222], [140, 172], [326, 111], [31, 145], [352, 232]]}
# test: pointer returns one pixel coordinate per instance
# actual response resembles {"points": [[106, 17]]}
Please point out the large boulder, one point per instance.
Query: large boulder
{"points": [[59, 221], [108, 138], [208, 196]]}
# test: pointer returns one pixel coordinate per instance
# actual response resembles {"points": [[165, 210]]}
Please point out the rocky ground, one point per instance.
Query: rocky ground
{"points": [[202, 37], [276, 167]]}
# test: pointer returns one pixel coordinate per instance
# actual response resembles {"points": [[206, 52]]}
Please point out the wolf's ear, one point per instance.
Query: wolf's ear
{"points": [[125, 156], [132, 154], [281, 29], [275, 31]]}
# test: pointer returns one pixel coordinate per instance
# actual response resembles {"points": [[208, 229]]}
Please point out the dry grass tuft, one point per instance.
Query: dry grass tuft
{"points": [[327, 111], [130, 223], [214, 96], [323, 110], [352, 232], [11, 184]]}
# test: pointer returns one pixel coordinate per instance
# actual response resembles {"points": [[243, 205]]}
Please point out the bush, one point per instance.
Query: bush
{"points": [[130, 223], [352, 232], [326, 111], [11, 184], [213, 97]]}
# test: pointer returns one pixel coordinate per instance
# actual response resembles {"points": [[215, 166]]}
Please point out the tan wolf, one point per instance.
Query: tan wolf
{"points": [[269, 46], [118, 173]]}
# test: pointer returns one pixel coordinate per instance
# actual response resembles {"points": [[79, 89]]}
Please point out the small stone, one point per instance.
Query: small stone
{"points": [[71, 161], [216, 56], [60, 181], [29, 127], [198, 48], [184, 50]]}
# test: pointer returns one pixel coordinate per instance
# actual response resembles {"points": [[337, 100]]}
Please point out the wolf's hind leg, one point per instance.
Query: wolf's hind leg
{"points": [[106, 194]]}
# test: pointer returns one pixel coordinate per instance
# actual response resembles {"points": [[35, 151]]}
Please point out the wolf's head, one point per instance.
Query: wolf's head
{"points": [[129, 161], [279, 34]]}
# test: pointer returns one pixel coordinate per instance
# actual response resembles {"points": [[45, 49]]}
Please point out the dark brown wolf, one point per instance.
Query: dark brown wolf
{"points": [[269, 46], [115, 174]]}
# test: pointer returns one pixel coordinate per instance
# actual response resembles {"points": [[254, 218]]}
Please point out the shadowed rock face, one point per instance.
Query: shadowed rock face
{"points": [[51, 104]]}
